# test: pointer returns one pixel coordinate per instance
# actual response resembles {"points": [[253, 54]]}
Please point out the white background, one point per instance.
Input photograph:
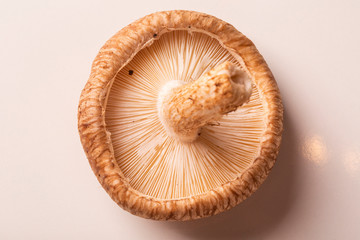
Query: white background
{"points": [[47, 189]]}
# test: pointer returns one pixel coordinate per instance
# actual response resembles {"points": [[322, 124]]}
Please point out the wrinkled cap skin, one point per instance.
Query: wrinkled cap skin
{"points": [[96, 141]]}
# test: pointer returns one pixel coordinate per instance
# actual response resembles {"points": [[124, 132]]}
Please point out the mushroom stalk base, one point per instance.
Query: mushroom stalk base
{"points": [[185, 108]]}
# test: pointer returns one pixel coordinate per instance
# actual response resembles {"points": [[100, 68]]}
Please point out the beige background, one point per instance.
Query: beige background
{"points": [[47, 188]]}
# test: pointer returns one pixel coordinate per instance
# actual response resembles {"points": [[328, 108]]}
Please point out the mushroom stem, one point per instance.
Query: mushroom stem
{"points": [[184, 109]]}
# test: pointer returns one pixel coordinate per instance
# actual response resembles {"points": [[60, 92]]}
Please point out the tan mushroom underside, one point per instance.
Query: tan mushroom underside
{"points": [[156, 143], [97, 142]]}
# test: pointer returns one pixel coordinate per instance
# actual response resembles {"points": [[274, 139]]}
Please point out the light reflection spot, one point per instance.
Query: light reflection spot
{"points": [[314, 149], [352, 161]]}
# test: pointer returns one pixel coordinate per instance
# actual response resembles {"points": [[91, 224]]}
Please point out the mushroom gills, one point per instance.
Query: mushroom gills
{"points": [[156, 164]]}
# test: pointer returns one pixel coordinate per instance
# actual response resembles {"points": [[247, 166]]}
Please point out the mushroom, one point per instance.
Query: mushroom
{"points": [[181, 117]]}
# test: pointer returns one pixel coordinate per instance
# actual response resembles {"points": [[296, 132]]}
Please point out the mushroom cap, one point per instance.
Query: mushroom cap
{"points": [[94, 121]]}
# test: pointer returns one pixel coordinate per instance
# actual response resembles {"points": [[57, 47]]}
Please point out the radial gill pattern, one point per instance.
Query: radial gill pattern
{"points": [[155, 164]]}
